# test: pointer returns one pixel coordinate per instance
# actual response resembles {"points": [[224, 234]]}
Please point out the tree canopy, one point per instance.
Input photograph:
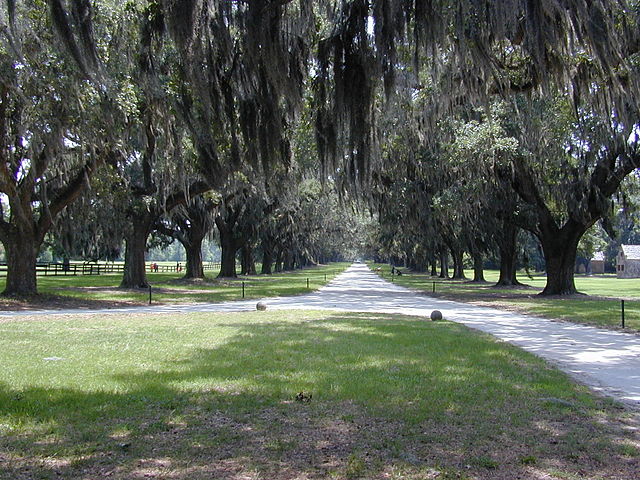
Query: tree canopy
{"points": [[457, 123]]}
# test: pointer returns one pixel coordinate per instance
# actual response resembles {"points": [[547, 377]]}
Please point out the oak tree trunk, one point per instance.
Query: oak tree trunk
{"points": [[458, 266], [193, 249], [434, 267], [135, 272], [478, 268], [560, 257], [288, 262], [267, 261], [229, 250], [247, 261], [21, 252], [507, 244], [278, 262], [444, 264]]}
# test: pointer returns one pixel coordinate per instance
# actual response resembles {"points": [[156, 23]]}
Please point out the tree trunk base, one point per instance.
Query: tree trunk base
{"points": [[509, 283], [21, 267], [560, 293]]}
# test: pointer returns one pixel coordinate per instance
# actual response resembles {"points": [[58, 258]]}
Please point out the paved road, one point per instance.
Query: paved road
{"points": [[607, 361]]}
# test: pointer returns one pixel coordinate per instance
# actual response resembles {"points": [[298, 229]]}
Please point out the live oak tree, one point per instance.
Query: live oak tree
{"points": [[239, 83], [242, 67], [92, 227], [586, 52], [570, 166], [190, 224], [160, 175], [238, 217], [57, 121], [471, 51], [81, 79], [480, 147]]}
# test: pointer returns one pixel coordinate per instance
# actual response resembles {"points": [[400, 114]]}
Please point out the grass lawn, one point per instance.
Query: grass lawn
{"points": [[102, 290], [600, 307], [212, 396]]}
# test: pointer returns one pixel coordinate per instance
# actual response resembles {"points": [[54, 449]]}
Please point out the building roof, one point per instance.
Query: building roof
{"points": [[598, 257], [631, 252]]}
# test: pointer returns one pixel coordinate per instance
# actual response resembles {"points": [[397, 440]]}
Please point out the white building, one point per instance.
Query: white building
{"points": [[628, 261]]}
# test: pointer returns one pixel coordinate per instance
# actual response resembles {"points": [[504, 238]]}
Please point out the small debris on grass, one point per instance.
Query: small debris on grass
{"points": [[52, 359], [303, 397]]}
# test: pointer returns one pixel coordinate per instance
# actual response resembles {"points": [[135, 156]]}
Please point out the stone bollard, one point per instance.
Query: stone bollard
{"points": [[261, 306], [436, 315]]}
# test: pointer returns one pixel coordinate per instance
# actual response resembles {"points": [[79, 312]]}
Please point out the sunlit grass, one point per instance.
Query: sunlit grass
{"points": [[601, 306], [88, 393], [168, 287]]}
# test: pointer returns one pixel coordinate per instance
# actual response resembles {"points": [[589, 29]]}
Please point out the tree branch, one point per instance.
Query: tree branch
{"points": [[68, 194], [180, 198]]}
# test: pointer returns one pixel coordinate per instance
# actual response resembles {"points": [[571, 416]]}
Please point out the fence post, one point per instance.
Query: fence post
{"points": [[149, 294], [242, 289], [434, 287], [307, 283], [622, 311]]}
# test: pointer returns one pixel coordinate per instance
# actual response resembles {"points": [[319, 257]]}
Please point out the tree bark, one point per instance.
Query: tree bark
{"points": [[229, 250], [458, 266], [193, 249], [267, 261], [288, 261], [278, 262], [21, 251], [247, 261], [478, 268], [444, 264], [507, 244], [135, 272], [560, 250]]}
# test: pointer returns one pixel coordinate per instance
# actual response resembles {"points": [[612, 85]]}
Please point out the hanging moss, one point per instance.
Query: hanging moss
{"points": [[470, 51]]}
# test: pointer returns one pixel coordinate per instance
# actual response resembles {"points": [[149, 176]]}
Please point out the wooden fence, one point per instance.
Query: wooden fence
{"points": [[75, 268]]}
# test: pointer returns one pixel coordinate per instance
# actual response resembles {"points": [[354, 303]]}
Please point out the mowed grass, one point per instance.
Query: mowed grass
{"points": [[600, 306], [203, 396], [169, 288]]}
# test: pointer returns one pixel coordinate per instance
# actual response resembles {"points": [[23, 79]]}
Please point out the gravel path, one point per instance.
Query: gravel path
{"points": [[607, 361]]}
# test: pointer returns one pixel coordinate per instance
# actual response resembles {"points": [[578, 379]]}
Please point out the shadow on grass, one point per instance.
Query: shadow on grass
{"points": [[397, 394], [102, 291], [599, 307]]}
